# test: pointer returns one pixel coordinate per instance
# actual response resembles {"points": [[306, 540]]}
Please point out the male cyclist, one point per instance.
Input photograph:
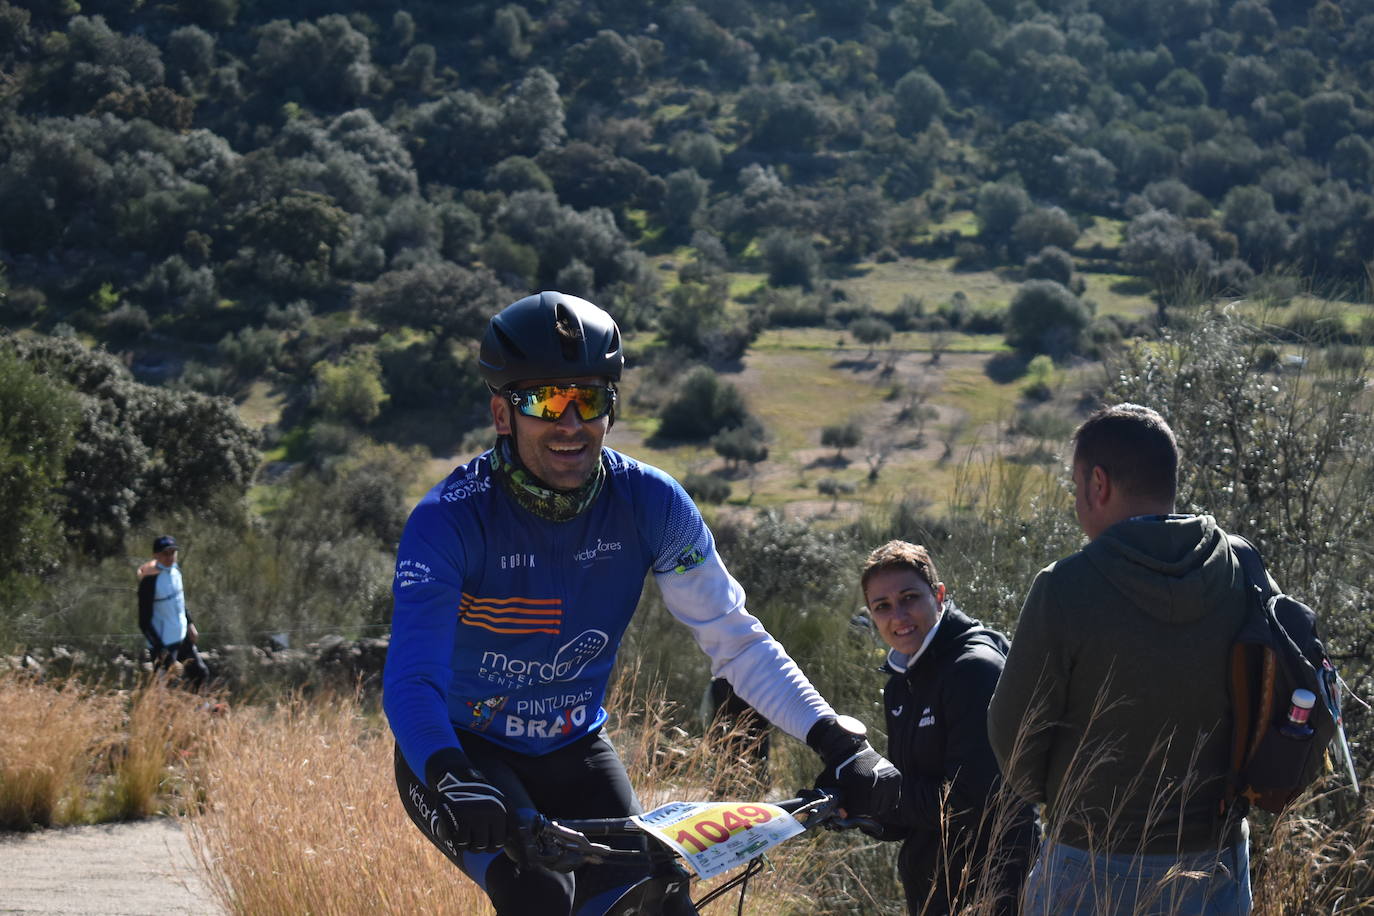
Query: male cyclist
{"points": [[515, 580]]}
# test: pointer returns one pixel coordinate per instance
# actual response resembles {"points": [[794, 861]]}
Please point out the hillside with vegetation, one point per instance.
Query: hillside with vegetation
{"points": [[874, 261], [312, 213]]}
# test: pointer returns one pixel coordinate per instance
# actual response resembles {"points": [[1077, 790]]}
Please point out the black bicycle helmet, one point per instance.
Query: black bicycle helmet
{"points": [[550, 335]]}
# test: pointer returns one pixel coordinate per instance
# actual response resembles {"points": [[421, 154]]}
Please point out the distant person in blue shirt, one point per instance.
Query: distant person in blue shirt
{"points": [[162, 614], [515, 579]]}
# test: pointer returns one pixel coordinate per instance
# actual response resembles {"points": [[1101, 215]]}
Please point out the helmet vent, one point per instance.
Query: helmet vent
{"points": [[570, 335]]}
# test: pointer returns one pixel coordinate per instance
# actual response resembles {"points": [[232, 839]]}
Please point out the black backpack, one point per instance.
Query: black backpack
{"points": [[1276, 652]]}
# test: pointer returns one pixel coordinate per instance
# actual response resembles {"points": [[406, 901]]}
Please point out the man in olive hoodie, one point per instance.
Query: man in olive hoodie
{"points": [[1112, 711]]}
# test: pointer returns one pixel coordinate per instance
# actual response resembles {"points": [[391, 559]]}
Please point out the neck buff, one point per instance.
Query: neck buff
{"points": [[536, 496]]}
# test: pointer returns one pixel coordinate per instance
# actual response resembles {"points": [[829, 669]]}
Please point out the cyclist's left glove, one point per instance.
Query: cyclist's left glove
{"points": [[472, 810], [870, 786]]}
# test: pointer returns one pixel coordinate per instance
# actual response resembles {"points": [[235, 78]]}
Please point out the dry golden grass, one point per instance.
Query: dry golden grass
{"points": [[1306, 866], [302, 807], [161, 731], [294, 809], [49, 738], [302, 816], [302, 813]]}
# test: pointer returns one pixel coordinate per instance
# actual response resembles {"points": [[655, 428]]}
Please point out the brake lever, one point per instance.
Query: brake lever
{"points": [[827, 802], [556, 847]]}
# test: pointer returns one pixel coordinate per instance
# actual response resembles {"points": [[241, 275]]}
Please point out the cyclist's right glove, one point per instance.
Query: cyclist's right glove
{"points": [[472, 810], [870, 786]]}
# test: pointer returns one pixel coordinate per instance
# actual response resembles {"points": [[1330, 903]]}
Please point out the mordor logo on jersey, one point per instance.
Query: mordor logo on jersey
{"points": [[510, 671]]}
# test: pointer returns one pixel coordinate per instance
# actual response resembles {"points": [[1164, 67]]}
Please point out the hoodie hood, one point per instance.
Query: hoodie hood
{"points": [[1174, 568]]}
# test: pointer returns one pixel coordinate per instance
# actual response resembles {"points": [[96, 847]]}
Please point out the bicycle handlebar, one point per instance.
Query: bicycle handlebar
{"points": [[565, 844]]}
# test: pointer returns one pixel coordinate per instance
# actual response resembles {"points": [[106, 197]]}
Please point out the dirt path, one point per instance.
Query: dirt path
{"points": [[139, 869]]}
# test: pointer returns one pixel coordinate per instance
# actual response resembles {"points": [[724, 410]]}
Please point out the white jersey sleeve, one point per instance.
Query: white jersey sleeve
{"points": [[701, 593]]}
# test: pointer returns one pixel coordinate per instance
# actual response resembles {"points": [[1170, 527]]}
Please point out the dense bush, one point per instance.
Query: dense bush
{"points": [[1044, 317], [702, 406], [137, 450], [706, 489]]}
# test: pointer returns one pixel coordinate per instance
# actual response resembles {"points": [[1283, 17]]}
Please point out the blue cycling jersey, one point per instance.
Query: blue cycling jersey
{"points": [[507, 625]]}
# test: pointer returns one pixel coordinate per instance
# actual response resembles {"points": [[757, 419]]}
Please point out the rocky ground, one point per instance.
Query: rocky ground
{"points": [[333, 663]]}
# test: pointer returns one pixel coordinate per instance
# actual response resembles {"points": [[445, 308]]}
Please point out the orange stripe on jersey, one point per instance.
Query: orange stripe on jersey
{"points": [[528, 611], [512, 615], [550, 602], [509, 629]]}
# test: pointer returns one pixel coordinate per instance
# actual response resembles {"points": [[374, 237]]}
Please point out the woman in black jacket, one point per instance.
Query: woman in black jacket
{"points": [[964, 842]]}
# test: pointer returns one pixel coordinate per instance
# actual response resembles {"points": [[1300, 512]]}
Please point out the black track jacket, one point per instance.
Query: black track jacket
{"points": [[936, 713]]}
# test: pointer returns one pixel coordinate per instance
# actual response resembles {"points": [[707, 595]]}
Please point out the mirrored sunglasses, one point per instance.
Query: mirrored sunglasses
{"points": [[547, 402]]}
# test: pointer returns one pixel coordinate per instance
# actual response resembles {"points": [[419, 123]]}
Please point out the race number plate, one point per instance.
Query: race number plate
{"points": [[715, 837]]}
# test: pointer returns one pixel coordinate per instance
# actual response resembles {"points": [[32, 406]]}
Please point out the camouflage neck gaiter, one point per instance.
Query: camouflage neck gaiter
{"points": [[533, 494]]}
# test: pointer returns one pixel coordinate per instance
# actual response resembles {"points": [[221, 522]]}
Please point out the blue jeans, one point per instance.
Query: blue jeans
{"points": [[1067, 881]]}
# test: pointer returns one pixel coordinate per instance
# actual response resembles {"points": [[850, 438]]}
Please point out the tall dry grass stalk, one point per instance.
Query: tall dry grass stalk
{"points": [[302, 816], [49, 740], [1308, 867], [161, 733]]}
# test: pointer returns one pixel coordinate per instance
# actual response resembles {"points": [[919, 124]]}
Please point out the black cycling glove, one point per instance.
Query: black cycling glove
{"points": [[472, 810], [869, 784]]}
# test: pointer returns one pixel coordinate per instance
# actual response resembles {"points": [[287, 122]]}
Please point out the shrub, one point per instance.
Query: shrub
{"points": [[830, 486], [792, 308], [1039, 379], [702, 406], [127, 322], [23, 303], [791, 259], [742, 443], [1044, 317], [207, 379], [38, 424], [1045, 227], [871, 331], [252, 351], [132, 434], [704, 488], [350, 390], [1050, 263]]}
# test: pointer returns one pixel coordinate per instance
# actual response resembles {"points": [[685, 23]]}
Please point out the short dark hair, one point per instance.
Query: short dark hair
{"points": [[1134, 446], [899, 555]]}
